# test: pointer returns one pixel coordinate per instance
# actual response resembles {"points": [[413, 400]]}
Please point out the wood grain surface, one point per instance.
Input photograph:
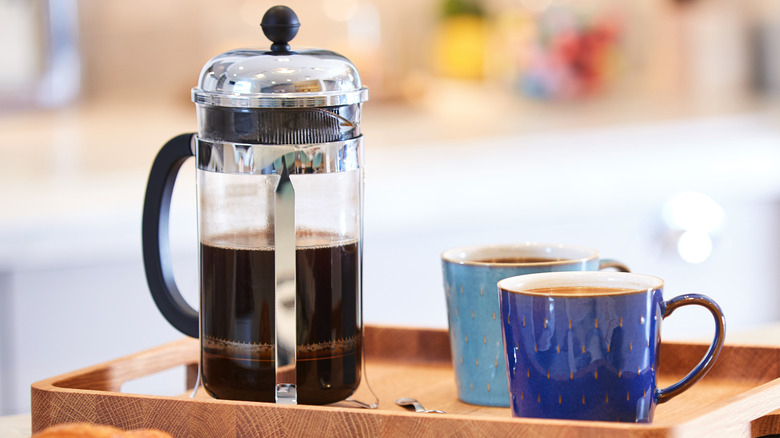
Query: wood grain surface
{"points": [[736, 399]]}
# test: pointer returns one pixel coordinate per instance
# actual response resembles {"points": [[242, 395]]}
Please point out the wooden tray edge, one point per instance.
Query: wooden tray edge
{"points": [[100, 399]]}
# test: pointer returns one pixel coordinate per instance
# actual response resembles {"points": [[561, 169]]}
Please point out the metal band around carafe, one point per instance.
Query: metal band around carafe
{"points": [[265, 159]]}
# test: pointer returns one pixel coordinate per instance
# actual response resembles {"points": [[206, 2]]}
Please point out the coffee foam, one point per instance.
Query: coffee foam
{"points": [[559, 254], [613, 283], [263, 240]]}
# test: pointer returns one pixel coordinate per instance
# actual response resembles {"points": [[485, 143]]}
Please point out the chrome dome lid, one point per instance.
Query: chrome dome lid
{"points": [[279, 78]]}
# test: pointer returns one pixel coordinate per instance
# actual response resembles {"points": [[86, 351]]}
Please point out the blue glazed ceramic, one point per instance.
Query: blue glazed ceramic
{"points": [[584, 345], [470, 278]]}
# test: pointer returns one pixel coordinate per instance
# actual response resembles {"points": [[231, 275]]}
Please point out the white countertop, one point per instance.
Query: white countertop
{"points": [[77, 173], [16, 426], [74, 184]]}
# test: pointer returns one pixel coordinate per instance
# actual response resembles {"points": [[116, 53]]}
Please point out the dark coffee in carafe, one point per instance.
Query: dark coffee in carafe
{"points": [[237, 286]]}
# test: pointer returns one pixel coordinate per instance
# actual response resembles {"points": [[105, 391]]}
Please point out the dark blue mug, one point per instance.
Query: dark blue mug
{"points": [[584, 345]]}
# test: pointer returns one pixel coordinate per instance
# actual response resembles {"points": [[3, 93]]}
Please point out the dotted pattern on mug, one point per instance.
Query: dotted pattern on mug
{"points": [[583, 357], [477, 346]]}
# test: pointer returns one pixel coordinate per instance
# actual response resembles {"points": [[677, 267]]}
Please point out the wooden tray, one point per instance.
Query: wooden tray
{"points": [[738, 397]]}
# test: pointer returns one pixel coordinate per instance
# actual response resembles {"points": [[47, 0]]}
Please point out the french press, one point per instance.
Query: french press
{"points": [[279, 158]]}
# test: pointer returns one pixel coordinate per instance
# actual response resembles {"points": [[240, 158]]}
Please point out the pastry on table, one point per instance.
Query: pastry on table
{"points": [[88, 430]]}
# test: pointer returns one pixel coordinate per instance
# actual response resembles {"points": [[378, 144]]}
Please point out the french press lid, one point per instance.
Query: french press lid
{"points": [[279, 77]]}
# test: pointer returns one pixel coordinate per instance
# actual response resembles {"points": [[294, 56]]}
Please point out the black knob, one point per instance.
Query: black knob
{"points": [[280, 25]]}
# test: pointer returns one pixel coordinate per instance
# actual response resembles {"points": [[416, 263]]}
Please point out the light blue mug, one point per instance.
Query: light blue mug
{"points": [[470, 278]]}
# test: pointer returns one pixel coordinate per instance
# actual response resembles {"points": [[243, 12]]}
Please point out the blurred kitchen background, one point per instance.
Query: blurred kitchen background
{"points": [[648, 129]]}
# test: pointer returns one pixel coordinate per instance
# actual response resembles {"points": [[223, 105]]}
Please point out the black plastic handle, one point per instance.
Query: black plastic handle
{"points": [[156, 246]]}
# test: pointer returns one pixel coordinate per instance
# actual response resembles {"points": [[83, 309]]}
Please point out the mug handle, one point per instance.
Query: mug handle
{"points": [[156, 246], [610, 263], [666, 394]]}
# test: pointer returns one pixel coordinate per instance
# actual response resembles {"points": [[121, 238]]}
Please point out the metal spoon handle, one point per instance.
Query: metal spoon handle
{"points": [[418, 407]]}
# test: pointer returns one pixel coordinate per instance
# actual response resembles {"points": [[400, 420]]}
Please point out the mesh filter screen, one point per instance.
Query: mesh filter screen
{"points": [[279, 125]]}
